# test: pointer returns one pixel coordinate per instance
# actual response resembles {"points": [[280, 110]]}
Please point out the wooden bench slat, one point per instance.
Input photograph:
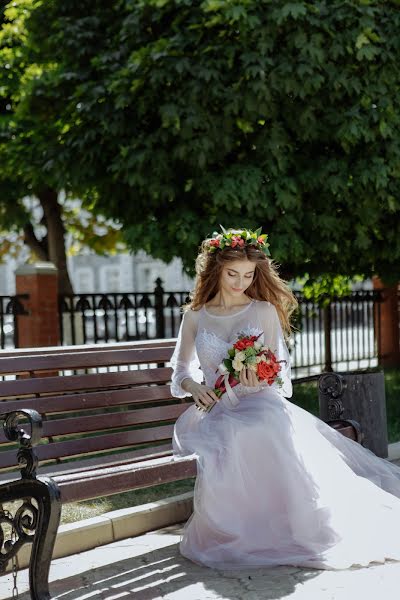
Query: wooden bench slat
{"points": [[40, 385], [111, 420], [100, 347], [89, 445], [84, 360], [90, 400], [95, 462], [111, 481]]}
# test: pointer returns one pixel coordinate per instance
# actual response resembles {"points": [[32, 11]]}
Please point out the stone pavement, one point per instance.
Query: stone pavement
{"points": [[149, 567]]}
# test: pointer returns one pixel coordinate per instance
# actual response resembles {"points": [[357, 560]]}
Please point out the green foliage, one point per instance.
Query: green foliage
{"points": [[228, 365], [30, 150], [172, 116], [322, 288], [392, 392], [238, 237]]}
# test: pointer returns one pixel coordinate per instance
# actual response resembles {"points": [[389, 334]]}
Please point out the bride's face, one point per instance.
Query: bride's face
{"points": [[237, 276]]}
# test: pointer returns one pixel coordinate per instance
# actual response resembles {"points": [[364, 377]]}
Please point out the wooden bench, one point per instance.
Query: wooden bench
{"points": [[93, 401]]}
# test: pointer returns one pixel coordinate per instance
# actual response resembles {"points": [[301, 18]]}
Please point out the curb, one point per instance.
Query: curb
{"points": [[115, 525]]}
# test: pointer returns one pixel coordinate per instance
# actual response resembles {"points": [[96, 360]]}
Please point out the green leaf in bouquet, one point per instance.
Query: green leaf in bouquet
{"points": [[228, 364], [250, 351], [231, 352]]}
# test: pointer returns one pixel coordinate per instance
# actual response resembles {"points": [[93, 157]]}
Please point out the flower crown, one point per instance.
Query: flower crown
{"points": [[237, 238]]}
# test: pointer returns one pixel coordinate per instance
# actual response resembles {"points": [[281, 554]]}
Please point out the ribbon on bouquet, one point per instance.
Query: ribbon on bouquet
{"points": [[224, 384], [233, 399]]}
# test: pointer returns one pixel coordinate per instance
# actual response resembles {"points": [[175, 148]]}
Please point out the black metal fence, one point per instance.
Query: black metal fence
{"points": [[341, 336], [117, 317], [10, 307]]}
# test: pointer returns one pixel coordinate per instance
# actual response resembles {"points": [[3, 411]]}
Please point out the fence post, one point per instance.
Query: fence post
{"points": [[159, 308], [386, 324], [40, 327], [327, 336]]}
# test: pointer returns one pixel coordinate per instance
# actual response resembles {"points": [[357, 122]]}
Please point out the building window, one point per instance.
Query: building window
{"points": [[111, 280], [84, 281]]}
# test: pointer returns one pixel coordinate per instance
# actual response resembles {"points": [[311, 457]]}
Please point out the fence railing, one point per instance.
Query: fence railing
{"points": [[341, 336], [120, 317], [10, 307]]}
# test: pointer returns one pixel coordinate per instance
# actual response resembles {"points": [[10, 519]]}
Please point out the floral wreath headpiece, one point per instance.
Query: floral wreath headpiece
{"points": [[237, 238]]}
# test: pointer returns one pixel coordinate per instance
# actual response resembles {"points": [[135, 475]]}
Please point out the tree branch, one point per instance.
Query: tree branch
{"points": [[52, 212], [38, 247]]}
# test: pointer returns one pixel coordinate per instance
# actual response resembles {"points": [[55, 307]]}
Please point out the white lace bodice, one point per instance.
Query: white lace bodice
{"points": [[204, 339]]}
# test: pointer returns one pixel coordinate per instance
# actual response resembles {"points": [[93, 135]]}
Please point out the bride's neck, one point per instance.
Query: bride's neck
{"points": [[227, 302]]}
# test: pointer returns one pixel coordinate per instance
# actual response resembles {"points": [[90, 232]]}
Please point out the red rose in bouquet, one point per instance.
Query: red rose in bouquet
{"points": [[247, 353]]}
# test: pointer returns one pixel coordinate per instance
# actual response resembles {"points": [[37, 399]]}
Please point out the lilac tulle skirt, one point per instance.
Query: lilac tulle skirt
{"points": [[277, 486]]}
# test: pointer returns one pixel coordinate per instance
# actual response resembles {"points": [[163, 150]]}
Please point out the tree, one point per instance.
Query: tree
{"points": [[173, 116], [28, 148]]}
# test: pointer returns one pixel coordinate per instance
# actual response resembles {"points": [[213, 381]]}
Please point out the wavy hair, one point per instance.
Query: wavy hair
{"points": [[266, 284]]}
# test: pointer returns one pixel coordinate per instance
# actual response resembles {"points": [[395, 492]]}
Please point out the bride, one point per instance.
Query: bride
{"points": [[275, 485]]}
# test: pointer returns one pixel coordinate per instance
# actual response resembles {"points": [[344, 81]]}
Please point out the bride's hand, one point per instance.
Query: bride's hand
{"points": [[249, 378], [204, 397]]}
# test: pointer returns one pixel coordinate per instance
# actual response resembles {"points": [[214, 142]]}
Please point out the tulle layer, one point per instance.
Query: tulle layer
{"points": [[277, 486]]}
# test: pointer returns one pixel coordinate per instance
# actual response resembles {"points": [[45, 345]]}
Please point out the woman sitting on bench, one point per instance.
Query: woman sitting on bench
{"points": [[275, 485]]}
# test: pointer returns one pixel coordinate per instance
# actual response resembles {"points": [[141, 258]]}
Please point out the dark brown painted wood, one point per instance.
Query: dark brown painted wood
{"points": [[109, 481], [111, 420], [90, 445], [90, 400], [96, 462], [108, 347], [84, 360], [69, 383]]}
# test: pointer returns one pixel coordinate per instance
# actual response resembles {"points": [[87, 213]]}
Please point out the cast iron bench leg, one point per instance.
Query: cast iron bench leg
{"points": [[31, 524], [37, 526]]}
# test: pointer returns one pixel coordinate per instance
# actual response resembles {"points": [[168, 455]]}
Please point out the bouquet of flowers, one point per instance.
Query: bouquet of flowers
{"points": [[248, 353]]}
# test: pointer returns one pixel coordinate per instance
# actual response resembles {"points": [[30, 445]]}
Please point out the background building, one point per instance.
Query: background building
{"points": [[91, 273]]}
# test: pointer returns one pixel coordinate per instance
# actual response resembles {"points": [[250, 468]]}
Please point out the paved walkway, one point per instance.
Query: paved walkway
{"points": [[149, 567]]}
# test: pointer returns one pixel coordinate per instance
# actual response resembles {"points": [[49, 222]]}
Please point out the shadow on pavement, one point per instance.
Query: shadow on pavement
{"points": [[164, 573]]}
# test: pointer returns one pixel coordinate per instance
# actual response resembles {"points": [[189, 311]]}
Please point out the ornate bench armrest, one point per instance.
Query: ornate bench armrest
{"points": [[331, 388], [35, 523], [13, 431]]}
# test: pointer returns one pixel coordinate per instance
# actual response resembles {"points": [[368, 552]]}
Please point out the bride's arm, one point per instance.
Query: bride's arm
{"points": [[184, 361], [187, 377], [274, 339]]}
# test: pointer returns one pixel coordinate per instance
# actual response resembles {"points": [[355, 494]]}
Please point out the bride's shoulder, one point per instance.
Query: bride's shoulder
{"points": [[192, 316], [264, 304], [265, 308]]}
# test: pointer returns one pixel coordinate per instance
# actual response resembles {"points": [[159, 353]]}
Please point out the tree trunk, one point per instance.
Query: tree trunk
{"points": [[38, 247], [55, 237]]}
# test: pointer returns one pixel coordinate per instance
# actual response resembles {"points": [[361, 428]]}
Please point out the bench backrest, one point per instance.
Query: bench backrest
{"points": [[108, 398]]}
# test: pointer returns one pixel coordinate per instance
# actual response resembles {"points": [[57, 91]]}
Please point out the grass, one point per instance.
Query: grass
{"points": [[392, 390], [75, 511], [305, 395]]}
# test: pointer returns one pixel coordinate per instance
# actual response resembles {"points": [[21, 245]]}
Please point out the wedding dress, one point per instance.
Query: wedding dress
{"points": [[275, 484]]}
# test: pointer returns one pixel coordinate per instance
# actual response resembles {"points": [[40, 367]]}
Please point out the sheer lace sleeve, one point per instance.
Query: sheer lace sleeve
{"points": [[184, 361], [274, 339]]}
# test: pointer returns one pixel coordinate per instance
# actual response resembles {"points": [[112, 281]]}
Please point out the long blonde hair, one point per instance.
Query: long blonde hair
{"points": [[266, 285]]}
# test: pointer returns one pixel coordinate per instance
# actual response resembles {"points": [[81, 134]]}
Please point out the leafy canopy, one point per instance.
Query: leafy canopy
{"points": [[172, 116], [29, 150]]}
